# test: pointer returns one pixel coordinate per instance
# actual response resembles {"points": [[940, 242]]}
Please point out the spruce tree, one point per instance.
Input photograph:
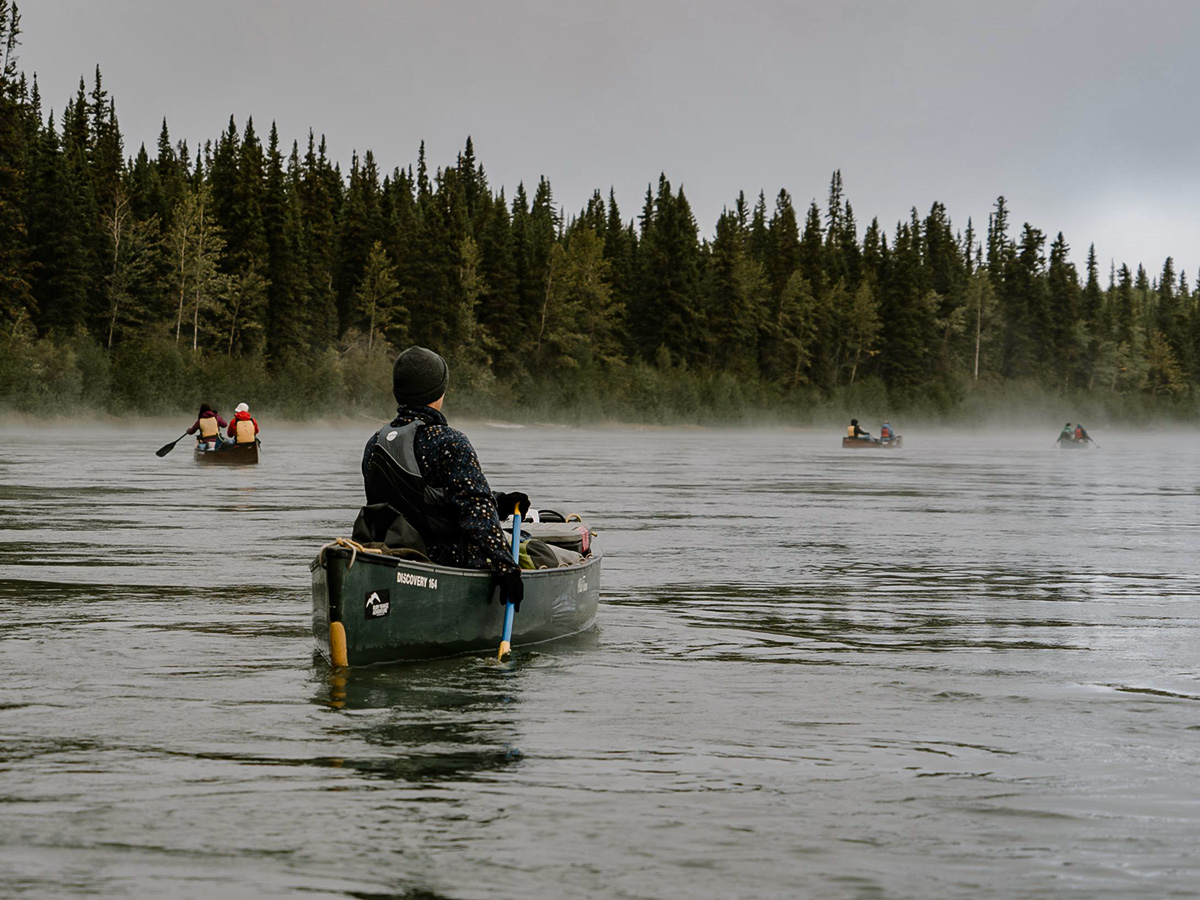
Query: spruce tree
{"points": [[318, 209], [16, 298], [377, 300], [284, 332], [360, 226], [1068, 343], [57, 239], [620, 247], [736, 296], [497, 309], [1092, 294], [669, 260]]}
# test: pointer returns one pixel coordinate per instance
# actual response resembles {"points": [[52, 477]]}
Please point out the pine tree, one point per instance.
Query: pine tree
{"points": [[377, 299], [247, 247], [981, 304], [105, 150], [737, 293], [16, 298], [907, 313], [823, 353], [836, 263], [541, 233], [1124, 307], [57, 235], [497, 308], [223, 186], [360, 226], [863, 327], [195, 245], [283, 321], [780, 260], [1092, 294], [783, 245], [1171, 318], [574, 327], [130, 287], [84, 208], [290, 335], [669, 276], [620, 248], [318, 209], [1067, 343]]}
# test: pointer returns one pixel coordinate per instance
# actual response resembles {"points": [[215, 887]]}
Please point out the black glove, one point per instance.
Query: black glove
{"points": [[512, 589], [506, 502]]}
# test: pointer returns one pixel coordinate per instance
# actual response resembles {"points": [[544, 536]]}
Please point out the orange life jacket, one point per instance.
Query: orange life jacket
{"points": [[209, 428], [245, 431], [850, 431]]}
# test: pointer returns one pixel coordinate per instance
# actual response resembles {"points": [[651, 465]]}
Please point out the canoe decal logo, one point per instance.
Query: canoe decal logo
{"points": [[379, 604]]}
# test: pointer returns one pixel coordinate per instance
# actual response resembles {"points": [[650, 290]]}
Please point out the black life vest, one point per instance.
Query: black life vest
{"points": [[394, 476]]}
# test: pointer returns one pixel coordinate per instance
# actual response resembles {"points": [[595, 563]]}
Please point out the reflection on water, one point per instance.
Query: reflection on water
{"points": [[447, 720], [966, 668]]}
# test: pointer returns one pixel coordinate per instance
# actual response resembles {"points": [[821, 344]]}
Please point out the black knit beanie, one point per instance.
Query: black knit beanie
{"points": [[419, 377]]}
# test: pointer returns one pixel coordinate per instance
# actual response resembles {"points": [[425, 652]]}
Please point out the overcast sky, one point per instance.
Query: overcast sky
{"points": [[1080, 112]]}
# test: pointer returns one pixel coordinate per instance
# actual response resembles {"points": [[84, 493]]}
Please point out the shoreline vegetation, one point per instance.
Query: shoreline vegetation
{"points": [[242, 269]]}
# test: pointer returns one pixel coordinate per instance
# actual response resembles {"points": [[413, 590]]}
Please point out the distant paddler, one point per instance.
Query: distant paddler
{"points": [[1082, 437], [1066, 434], [209, 423], [243, 428], [424, 487], [855, 432]]}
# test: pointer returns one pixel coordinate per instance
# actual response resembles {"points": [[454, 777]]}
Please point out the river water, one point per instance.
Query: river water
{"points": [[968, 668]]}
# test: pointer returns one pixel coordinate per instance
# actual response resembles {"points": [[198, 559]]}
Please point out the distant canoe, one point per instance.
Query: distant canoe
{"points": [[226, 454], [1072, 444], [872, 444], [369, 608]]}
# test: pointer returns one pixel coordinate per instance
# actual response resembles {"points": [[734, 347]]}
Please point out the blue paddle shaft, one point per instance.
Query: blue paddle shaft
{"points": [[509, 609]]}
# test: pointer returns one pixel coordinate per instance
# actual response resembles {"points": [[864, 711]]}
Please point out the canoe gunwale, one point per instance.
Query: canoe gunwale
{"points": [[435, 568]]}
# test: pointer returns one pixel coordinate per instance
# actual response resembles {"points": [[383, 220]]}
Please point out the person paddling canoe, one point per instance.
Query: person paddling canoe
{"points": [[209, 424], [1066, 434], [243, 428], [854, 431], [424, 485]]}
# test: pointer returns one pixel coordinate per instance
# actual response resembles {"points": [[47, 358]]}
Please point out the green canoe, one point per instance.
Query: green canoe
{"points": [[369, 608]]}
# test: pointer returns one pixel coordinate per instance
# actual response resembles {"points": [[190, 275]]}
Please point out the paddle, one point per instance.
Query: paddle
{"points": [[167, 448], [509, 609]]}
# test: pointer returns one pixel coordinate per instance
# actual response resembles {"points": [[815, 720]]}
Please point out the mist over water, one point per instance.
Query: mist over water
{"points": [[967, 667]]}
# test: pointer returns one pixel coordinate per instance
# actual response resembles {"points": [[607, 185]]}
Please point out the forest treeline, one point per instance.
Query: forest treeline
{"points": [[250, 267]]}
